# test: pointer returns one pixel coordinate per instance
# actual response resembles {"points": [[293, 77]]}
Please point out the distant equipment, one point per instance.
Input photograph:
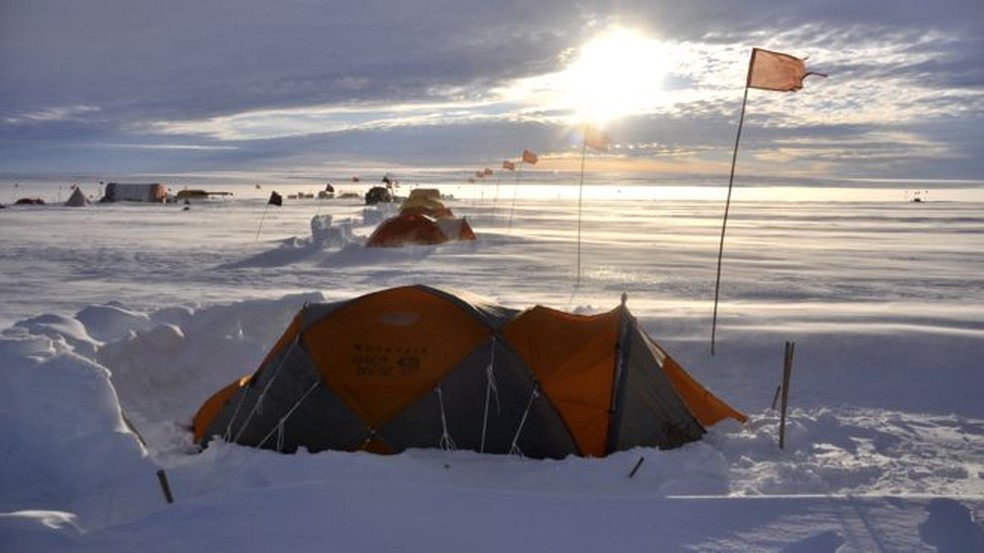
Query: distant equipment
{"points": [[154, 192]]}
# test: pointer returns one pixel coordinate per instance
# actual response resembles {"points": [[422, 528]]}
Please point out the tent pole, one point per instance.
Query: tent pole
{"points": [[724, 222], [580, 196]]}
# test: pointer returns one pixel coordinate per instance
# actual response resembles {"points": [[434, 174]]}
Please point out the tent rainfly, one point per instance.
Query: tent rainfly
{"points": [[418, 367]]}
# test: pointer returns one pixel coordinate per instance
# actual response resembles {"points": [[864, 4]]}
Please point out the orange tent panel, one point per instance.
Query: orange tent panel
{"points": [[207, 412], [406, 229], [706, 407], [382, 353], [573, 357]]}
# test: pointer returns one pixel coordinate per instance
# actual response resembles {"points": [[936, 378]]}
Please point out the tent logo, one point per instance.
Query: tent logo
{"points": [[408, 364], [378, 359]]}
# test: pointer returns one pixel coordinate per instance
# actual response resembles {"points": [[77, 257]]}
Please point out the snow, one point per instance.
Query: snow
{"points": [[119, 320]]}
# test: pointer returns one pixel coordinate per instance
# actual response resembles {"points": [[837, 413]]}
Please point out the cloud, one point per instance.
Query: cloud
{"points": [[293, 122], [51, 115], [230, 84]]}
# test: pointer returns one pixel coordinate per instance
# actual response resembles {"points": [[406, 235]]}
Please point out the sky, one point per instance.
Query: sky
{"points": [[322, 90]]}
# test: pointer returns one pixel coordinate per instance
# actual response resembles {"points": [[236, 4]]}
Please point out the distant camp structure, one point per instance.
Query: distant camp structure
{"points": [[198, 194], [384, 193], [420, 367], [423, 219], [77, 199], [379, 195], [135, 192]]}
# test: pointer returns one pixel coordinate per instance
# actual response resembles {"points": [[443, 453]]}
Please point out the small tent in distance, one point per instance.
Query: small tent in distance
{"points": [[423, 219], [77, 199], [418, 367]]}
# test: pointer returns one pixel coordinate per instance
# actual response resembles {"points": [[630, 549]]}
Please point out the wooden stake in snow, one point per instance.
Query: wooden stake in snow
{"points": [[162, 479], [636, 467], [787, 369]]}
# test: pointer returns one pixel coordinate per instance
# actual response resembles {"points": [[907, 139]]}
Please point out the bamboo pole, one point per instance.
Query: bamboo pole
{"points": [[512, 207], [787, 369], [580, 198], [724, 222], [165, 487]]}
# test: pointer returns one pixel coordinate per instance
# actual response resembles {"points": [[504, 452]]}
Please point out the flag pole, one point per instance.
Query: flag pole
{"points": [[512, 207], [274, 199], [260, 226], [495, 200], [727, 207], [580, 195], [481, 201]]}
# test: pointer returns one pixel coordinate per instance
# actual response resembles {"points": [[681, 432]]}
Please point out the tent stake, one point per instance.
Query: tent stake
{"points": [[787, 369], [162, 479], [636, 467]]}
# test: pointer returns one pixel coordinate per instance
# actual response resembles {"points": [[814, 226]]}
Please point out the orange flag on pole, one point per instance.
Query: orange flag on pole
{"points": [[770, 70], [530, 157], [767, 70]]}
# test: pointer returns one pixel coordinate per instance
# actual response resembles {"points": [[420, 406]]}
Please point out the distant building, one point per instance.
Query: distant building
{"points": [[135, 192]]}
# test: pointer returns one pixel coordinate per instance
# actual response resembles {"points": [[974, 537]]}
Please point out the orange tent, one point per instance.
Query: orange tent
{"points": [[416, 228], [423, 219], [417, 367]]}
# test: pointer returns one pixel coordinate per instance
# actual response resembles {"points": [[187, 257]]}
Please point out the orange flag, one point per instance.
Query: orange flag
{"points": [[596, 138], [770, 70], [530, 157], [508, 165]]}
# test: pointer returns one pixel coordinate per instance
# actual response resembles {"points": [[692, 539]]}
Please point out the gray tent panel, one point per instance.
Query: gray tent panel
{"points": [[649, 409], [468, 416], [292, 390]]}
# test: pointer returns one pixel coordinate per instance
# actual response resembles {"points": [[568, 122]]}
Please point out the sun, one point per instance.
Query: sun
{"points": [[618, 73]]}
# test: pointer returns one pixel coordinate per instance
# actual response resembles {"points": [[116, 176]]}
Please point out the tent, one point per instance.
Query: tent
{"points": [[77, 199], [423, 219], [417, 228], [419, 367]]}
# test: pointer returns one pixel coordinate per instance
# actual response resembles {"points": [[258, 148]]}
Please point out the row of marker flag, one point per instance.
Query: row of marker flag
{"points": [[767, 70], [593, 137]]}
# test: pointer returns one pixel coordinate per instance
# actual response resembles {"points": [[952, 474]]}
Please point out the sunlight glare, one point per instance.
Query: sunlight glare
{"points": [[618, 73]]}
